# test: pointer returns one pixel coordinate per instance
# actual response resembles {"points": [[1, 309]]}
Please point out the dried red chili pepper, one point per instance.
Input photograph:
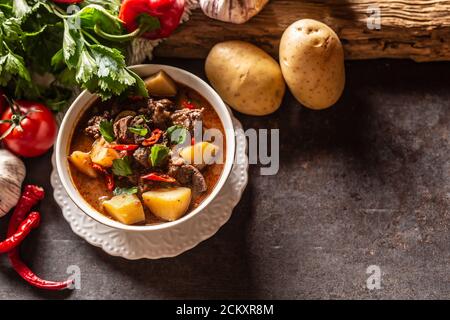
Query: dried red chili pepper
{"points": [[30, 197], [156, 134], [31, 222], [109, 178], [166, 16], [124, 147], [158, 177], [187, 104]]}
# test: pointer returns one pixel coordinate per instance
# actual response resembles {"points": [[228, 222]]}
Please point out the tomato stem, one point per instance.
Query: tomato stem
{"points": [[16, 117]]}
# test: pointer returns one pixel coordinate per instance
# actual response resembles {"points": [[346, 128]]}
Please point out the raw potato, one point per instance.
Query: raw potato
{"points": [[168, 204], [161, 84], [312, 61], [246, 77], [126, 208], [102, 155], [82, 161], [200, 153]]}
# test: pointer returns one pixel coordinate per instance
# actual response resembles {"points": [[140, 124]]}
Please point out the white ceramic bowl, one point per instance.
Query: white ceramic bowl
{"points": [[85, 100]]}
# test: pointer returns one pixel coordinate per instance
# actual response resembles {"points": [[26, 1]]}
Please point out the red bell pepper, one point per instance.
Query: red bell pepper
{"points": [[166, 12]]}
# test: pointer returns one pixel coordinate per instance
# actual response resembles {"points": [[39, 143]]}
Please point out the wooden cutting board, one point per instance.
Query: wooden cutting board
{"points": [[414, 29]]}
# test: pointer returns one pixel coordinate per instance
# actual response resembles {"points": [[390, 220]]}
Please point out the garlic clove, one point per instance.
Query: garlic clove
{"points": [[12, 173], [234, 11]]}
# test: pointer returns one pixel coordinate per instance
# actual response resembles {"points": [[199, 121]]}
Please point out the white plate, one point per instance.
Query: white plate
{"points": [[163, 243]]}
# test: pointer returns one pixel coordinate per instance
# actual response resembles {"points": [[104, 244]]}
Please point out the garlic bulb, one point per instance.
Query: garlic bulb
{"points": [[235, 11], [12, 173]]}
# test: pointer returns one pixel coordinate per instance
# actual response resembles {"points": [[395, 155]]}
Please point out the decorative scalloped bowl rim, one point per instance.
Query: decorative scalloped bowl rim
{"points": [[84, 101]]}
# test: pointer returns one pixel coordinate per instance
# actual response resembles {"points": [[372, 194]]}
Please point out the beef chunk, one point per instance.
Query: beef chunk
{"points": [[93, 128], [141, 156], [121, 130], [186, 174], [198, 182], [160, 111], [187, 117]]}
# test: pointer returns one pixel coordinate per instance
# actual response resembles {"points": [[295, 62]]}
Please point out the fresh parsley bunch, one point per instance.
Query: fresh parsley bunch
{"points": [[66, 45]]}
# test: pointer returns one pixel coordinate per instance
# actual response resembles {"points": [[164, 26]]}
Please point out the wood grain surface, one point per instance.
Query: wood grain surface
{"points": [[414, 29]]}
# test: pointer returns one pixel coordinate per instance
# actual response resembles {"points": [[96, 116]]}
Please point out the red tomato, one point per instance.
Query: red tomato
{"points": [[34, 132]]}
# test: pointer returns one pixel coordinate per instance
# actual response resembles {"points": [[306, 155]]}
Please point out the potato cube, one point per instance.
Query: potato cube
{"points": [[82, 161], [200, 153], [102, 155], [126, 208], [161, 84], [168, 204]]}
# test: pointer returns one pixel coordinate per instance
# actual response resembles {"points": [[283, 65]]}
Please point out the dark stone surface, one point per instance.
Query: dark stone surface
{"points": [[364, 183]]}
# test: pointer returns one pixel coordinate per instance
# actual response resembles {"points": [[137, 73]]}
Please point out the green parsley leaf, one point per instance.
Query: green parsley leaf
{"points": [[106, 130], [11, 65], [177, 134], [118, 191], [87, 67], [94, 14], [20, 8], [158, 154], [72, 43], [111, 5], [121, 167], [141, 88], [139, 130]]}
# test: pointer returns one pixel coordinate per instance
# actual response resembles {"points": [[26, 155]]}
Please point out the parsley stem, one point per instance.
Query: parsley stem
{"points": [[90, 36], [116, 37]]}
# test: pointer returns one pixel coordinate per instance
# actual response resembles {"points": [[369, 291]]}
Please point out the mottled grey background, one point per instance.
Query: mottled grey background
{"points": [[366, 182]]}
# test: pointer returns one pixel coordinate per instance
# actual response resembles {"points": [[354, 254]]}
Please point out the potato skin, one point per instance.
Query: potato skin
{"points": [[246, 77], [312, 62]]}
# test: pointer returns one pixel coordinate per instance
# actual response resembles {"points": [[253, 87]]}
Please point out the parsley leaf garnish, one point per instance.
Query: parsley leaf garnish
{"points": [[118, 191], [177, 134], [158, 154], [121, 167], [106, 130], [139, 130]]}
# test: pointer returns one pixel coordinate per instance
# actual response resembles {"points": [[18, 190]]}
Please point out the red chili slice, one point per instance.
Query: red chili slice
{"points": [[124, 147], [158, 177], [156, 134], [109, 178], [187, 104]]}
